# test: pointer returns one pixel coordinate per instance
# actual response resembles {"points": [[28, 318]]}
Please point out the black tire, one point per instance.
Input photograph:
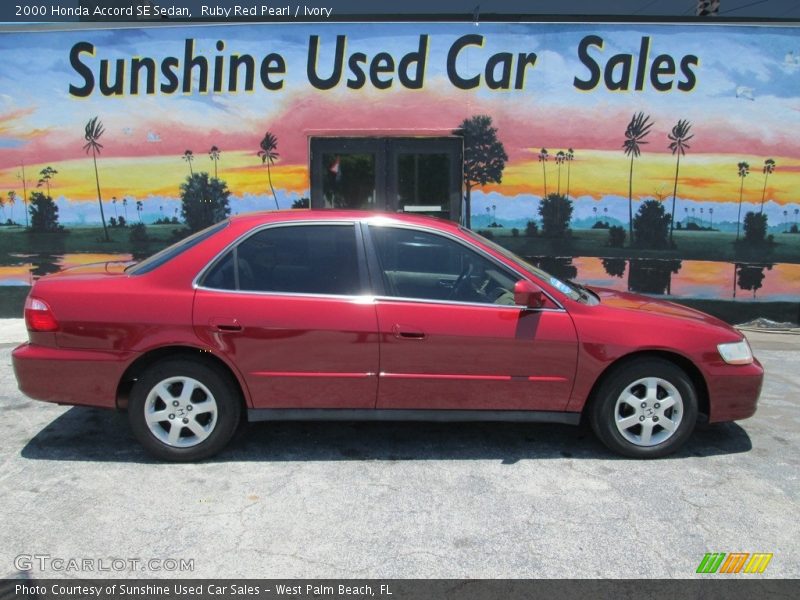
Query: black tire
{"points": [[608, 408], [190, 414]]}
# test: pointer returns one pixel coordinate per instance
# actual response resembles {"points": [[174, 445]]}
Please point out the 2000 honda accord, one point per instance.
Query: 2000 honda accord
{"points": [[348, 315]]}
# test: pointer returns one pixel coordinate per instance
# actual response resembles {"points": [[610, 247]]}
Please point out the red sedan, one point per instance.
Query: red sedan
{"points": [[346, 315]]}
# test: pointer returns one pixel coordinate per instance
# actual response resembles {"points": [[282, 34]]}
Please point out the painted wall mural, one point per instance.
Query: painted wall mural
{"points": [[662, 159]]}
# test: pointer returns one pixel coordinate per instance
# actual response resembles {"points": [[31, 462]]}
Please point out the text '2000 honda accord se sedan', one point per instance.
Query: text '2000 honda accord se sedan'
{"points": [[347, 315]]}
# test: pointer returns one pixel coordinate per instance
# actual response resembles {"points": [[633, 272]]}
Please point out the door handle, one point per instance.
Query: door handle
{"points": [[228, 324], [401, 332]]}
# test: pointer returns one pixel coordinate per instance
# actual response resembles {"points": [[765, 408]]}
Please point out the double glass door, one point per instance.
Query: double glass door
{"points": [[419, 175]]}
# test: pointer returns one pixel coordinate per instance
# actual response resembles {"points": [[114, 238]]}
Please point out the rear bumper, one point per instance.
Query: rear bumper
{"points": [[733, 391], [69, 376]]}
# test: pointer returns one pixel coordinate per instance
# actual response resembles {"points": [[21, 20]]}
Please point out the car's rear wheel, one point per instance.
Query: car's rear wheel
{"points": [[645, 409], [182, 410]]}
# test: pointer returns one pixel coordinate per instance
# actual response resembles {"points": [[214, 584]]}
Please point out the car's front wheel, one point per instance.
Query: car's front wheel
{"points": [[645, 409], [182, 410]]}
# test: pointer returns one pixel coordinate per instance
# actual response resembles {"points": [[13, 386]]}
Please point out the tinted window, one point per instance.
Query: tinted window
{"points": [[417, 264], [171, 252], [309, 259]]}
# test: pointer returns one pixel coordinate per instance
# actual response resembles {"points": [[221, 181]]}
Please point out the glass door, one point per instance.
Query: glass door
{"points": [[424, 176], [419, 175], [347, 173]]}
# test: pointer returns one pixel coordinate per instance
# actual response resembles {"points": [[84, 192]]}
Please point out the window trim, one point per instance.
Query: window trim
{"points": [[376, 273], [363, 275]]}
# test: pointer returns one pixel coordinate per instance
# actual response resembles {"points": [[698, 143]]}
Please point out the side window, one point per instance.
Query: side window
{"points": [[309, 259], [417, 264]]}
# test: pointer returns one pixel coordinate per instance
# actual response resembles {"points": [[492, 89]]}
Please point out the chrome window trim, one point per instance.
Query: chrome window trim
{"points": [[378, 221], [472, 304], [368, 299], [387, 222], [355, 298]]}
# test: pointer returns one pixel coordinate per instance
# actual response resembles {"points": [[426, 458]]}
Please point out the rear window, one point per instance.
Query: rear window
{"points": [[167, 254]]}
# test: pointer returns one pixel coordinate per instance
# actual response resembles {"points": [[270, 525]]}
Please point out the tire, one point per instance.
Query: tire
{"points": [[183, 410], [633, 405]]}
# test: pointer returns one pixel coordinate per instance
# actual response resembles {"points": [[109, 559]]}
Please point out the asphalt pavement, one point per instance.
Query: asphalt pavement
{"points": [[396, 500]]}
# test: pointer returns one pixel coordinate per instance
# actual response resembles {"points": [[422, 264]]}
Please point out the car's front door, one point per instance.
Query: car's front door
{"points": [[285, 306], [451, 336]]}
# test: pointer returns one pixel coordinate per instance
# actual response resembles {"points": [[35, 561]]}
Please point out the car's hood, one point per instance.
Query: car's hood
{"points": [[628, 301]]}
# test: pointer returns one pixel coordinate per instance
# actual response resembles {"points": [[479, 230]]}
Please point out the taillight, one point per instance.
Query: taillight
{"points": [[39, 316]]}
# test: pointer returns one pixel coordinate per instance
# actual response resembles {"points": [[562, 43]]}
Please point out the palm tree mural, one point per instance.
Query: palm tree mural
{"points": [[214, 154], [570, 156], [47, 175], [139, 209], [769, 168], [744, 169], [560, 158], [3, 205], [92, 133], [114, 203], [638, 129], [678, 138], [125, 208], [711, 218], [543, 156], [21, 176], [268, 154], [188, 156]]}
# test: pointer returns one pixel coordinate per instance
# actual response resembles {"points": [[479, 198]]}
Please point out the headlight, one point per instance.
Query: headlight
{"points": [[737, 353]]}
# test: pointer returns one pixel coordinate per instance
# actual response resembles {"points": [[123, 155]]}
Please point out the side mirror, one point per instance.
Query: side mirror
{"points": [[528, 294]]}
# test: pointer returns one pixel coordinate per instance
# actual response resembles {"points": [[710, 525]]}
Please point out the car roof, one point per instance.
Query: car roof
{"points": [[275, 216]]}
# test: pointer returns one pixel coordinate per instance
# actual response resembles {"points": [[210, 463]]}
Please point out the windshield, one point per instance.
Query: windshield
{"points": [[167, 254], [572, 290]]}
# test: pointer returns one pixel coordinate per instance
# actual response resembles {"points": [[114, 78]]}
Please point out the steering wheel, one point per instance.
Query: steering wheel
{"points": [[463, 278]]}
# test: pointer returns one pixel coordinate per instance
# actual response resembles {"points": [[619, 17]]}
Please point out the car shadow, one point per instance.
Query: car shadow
{"points": [[86, 434]]}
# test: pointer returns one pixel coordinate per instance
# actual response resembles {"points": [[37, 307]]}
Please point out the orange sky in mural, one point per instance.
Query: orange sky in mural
{"points": [[593, 173], [158, 176], [702, 177]]}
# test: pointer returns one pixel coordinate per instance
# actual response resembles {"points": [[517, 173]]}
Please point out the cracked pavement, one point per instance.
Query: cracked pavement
{"points": [[403, 500]]}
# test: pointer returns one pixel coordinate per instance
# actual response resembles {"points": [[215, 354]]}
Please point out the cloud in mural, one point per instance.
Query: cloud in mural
{"points": [[745, 92], [791, 62], [153, 137]]}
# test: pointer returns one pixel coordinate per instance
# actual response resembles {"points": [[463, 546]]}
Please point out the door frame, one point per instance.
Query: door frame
{"points": [[386, 149]]}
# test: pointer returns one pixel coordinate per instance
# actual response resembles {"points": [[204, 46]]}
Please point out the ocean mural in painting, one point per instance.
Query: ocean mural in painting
{"points": [[662, 159]]}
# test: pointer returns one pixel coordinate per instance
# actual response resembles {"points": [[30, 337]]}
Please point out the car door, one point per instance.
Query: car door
{"points": [[286, 306], [451, 336]]}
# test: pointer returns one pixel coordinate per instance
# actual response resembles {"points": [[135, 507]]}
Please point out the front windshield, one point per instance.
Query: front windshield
{"points": [[567, 288]]}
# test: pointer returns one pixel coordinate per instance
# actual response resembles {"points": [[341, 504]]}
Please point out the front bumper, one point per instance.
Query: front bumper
{"points": [[733, 391], [70, 376]]}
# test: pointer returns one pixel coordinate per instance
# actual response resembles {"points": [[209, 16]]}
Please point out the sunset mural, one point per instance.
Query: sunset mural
{"points": [[160, 91]]}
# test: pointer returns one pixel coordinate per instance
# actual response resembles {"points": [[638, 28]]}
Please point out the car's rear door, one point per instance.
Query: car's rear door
{"points": [[451, 337], [285, 305]]}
